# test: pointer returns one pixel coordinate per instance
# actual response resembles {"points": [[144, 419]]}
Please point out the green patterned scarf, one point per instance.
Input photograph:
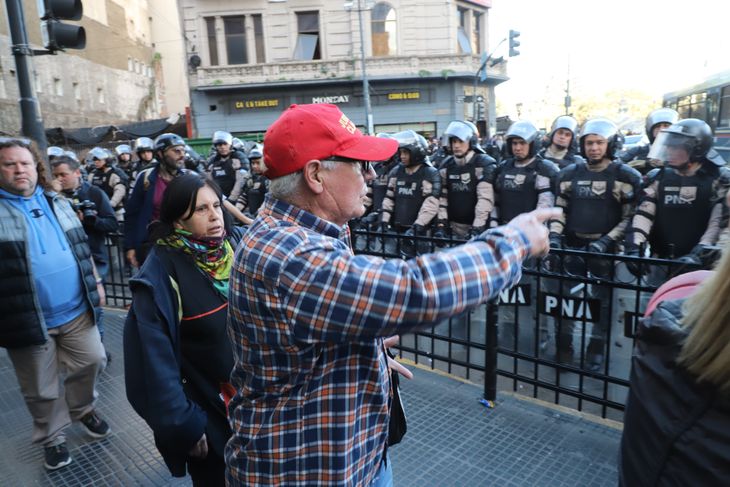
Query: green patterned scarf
{"points": [[212, 255]]}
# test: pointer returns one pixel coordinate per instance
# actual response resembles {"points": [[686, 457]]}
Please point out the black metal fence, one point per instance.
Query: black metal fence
{"points": [[541, 338], [563, 334]]}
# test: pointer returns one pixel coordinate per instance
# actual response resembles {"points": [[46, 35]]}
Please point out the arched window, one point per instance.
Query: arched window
{"points": [[384, 38]]}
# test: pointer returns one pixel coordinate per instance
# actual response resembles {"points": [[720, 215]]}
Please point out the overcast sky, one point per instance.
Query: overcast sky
{"points": [[653, 45]]}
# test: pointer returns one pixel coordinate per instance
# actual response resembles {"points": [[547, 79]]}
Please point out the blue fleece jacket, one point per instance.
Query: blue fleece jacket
{"points": [[55, 271]]}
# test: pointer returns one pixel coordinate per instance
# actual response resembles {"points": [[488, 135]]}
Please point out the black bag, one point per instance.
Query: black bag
{"points": [[398, 424]]}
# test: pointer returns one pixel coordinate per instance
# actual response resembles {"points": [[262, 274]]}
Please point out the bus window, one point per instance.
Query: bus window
{"points": [[684, 105], [724, 108]]}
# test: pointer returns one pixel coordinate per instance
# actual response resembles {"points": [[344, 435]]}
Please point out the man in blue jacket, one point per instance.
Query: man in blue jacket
{"points": [[49, 291]]}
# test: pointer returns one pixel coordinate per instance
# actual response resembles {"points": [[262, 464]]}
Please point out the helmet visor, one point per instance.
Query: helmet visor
{"points": [[672, 148]]}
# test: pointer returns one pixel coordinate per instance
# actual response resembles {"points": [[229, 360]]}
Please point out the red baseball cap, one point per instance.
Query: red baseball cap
{"points": [[318, 131]]}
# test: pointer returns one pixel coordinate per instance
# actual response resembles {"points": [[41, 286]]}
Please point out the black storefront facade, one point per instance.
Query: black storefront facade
{"points": [[425, 105]]}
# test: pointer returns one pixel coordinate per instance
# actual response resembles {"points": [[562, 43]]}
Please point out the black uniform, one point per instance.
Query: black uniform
{"points": [[675, 210], [108, 180], [223, 171], [518, 189], [406, 194], [255, 187], [570, 157], [459, 194]]}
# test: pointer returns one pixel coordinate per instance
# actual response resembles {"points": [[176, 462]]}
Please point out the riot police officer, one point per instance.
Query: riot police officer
{"points": [[467, 178], [239, 152], [112, 180], [597, 197], [637, 156], [53, 152], [224, 167], [412, 199], [674, 214], [125, 162], [144, 147], [378, 187], [524, 181], [255, 185], [562, 147]]}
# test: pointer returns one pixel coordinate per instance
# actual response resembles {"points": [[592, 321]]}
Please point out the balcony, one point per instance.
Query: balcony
{"points": [[296, 72]]}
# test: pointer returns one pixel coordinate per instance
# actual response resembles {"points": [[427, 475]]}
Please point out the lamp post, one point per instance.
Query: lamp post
{"points": [[365, 83]]}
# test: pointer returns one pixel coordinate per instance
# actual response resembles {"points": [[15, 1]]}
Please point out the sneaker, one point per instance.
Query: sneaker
{"points": [[56, 456], [95, 426]]}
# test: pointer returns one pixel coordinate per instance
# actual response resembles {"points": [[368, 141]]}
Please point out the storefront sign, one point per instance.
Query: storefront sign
{"points": [[246, 104], [405, 95], [331, 99]]}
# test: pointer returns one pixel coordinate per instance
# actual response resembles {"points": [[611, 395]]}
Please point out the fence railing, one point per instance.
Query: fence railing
{"points": [[563, 334], [543, 337]]}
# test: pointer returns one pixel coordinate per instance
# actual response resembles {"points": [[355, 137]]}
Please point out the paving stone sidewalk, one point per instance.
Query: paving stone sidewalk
{"points": [[452, 439]]}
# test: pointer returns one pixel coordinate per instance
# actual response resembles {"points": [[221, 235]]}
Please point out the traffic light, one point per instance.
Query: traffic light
{"points": [[481, 110], [514, 43], [58, 36]]}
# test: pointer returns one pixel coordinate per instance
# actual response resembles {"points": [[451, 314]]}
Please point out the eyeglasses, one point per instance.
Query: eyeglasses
{"points": [[365, 166]]}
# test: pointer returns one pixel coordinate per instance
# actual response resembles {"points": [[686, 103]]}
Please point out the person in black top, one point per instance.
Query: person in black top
{"points": [[225, 167], [598, 198], [255, 185], [562, 147], [178, 356]]}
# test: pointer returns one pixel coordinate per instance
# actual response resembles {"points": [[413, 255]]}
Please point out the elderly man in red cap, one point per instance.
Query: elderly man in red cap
{"points": [[308, 318]]}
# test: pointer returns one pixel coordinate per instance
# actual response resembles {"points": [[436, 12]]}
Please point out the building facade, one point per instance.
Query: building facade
{"points": [[117, 78], [249, 61]]}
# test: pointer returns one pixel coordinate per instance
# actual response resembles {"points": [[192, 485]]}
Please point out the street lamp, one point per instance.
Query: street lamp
{"points": [[365, 84]]}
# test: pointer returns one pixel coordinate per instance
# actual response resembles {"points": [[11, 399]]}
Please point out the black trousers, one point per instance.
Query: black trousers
{"points": [[210, 470]]}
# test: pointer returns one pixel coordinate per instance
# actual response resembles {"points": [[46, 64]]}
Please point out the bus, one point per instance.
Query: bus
{"points": [[708, 101]]}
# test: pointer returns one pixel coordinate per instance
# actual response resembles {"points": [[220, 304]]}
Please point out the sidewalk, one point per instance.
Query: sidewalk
{"points": [[452, 439]]}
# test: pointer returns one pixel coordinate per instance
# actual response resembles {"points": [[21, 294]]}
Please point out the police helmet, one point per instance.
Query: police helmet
{"points": [[221, 137], [166, 141], [414, 143], [123, 149], [602, 127], [99, 154], [525, 130], [691, 134], [565, 122], [238, 144], [143, 144], [54, 151], [464, 131], [660, 115], [71, 154], [255, 153]]}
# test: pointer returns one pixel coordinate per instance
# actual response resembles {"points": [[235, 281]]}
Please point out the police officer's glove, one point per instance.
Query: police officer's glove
{"points": [[384, 227], [694, 257], [555, 241], [371, 219], [635, 268], [601, 245], [476, 231], [440, 230]]}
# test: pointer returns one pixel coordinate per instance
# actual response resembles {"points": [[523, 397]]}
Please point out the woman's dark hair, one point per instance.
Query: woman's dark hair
{"points": [[179, 201]]}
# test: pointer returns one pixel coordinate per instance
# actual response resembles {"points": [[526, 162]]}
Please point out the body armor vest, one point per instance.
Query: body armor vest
{"points": [[683, 208], [223, 173], [255, 193], [408, 196], [516, 189], [593, 206], [461, 184]]}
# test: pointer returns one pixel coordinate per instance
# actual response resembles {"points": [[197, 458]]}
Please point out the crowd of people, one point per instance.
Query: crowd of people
{"points": [[255, 346]]}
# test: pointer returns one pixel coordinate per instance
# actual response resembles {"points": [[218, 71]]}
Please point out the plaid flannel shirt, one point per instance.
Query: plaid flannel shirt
{"points": [[306, 320]]}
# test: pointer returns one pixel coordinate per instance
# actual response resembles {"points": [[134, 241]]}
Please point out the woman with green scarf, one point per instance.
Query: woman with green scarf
{"points": [[177, 354]]}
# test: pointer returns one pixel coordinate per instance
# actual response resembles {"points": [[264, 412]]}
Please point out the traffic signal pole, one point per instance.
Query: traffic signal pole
{"points": [[31, 121]]}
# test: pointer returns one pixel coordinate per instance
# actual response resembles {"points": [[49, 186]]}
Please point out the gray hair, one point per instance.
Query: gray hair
{"points": [[285, 187]]}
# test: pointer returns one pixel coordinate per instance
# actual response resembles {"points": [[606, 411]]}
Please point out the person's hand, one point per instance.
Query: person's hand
{"points": [[132, 257], [532, 225], [56, 185], [102, 292], [392, 363], [200, 450], [635, 268], [601, 245]]}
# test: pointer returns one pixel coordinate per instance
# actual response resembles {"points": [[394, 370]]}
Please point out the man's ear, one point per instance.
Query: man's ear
{"points": [[313, 172]]}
